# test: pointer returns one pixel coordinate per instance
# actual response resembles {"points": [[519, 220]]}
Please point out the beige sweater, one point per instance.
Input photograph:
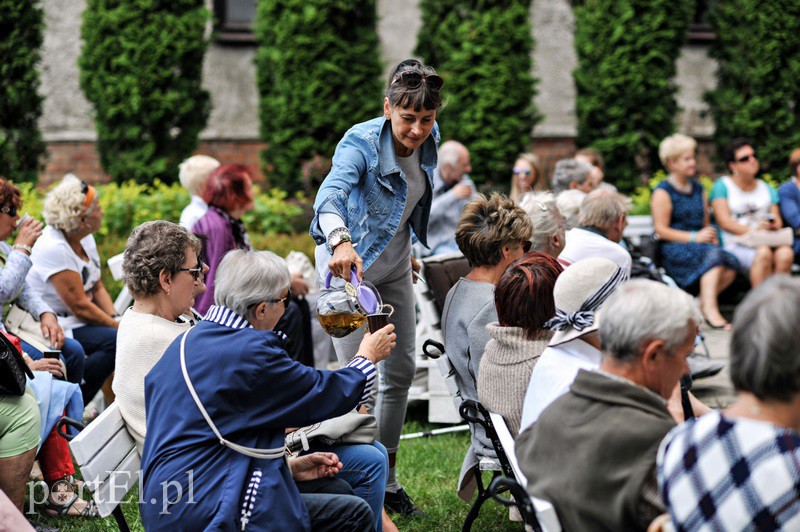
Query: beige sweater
{"points": [[141, 340], [505, 371]]}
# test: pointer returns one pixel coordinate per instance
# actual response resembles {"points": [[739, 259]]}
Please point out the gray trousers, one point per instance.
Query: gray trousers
{"points": [[396, 373]]}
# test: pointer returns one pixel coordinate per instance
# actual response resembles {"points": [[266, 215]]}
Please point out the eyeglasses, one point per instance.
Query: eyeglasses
{"points": [[746, 158], [9, 210], [84, 187], [196, 271], [412, 80], [526, 246], [523, 172], [284, 300]]}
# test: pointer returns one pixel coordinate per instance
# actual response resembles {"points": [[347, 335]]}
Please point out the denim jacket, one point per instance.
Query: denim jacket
{"points": [[367, 189]]}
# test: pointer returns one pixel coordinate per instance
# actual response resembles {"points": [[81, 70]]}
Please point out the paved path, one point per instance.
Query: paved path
{"points": [[716, 391]]}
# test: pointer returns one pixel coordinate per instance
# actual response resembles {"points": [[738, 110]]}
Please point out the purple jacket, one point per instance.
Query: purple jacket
{"points": [[216, 234]]}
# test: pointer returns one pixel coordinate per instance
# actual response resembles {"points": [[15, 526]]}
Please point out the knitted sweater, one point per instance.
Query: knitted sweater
{"points": [[141, 340], [505, 371]]}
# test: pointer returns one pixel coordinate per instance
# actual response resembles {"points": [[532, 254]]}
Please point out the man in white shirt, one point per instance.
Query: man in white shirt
{"points": [[578, 293], [602, 219]]}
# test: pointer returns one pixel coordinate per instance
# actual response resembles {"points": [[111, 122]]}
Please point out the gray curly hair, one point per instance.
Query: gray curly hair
{"points": [[154, 247]]}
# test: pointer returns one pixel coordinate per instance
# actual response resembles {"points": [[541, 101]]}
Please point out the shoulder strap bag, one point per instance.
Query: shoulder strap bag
{"points": [[13, 369], [266, 454]]}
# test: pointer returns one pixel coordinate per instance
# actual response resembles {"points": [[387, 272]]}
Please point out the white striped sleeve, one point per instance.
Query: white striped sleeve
{"points": [[368, 369]]}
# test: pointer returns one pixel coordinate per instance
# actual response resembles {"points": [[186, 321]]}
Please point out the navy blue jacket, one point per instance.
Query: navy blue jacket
{"points": [[252, 391]]}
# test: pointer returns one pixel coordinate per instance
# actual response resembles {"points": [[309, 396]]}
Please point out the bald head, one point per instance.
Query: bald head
{"points": [[453, 161]]}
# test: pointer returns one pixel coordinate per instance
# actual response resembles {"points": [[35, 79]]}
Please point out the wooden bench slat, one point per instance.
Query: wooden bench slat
{"points": [[94, 437], [544, 510], [113, 453], [113, 491]]}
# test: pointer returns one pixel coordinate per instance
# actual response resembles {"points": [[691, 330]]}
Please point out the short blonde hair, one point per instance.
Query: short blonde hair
{"points": [[194, 171], [488, 224], [675, 145], [63, 206], [602, 209]]}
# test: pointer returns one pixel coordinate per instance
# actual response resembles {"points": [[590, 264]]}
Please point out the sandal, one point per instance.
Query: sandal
{"points": [[55, 508]]}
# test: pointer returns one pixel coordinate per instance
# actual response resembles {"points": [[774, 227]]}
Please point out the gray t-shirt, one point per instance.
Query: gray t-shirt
{"points": [[399, 248]]}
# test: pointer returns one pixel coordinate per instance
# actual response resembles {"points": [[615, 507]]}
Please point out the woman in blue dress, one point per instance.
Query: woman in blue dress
{"points": [[690, 249]]}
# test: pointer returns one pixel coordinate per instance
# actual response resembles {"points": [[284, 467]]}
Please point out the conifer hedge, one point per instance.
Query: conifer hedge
{"points": [[758, 91], [140, 67], [21, 26], [318, 74], [483, 52], [625, 80]]}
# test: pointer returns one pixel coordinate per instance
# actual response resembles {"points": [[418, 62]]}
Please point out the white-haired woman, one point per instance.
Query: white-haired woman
{"points": [[690, 249], [193, 174], [549, 225], [235, 365], [66, 272]]}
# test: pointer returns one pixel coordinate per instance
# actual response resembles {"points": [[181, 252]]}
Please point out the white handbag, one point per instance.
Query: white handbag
{"points": [[23, 325]]}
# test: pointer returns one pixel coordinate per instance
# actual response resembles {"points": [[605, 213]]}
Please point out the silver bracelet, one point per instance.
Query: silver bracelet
{"points": [[23, 247]]}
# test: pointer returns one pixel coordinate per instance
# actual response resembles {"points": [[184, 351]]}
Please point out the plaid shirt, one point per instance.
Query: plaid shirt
{"points": [[721, 473]]}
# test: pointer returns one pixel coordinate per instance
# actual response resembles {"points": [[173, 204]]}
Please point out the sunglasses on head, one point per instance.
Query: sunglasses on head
{"points": [[9, 210], [196, 271], [746, 158], [523, 172], [412, 80]]}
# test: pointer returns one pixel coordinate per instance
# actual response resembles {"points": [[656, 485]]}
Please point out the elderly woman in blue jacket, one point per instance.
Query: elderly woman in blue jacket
{"points": [[376, 196], [219, 401]]}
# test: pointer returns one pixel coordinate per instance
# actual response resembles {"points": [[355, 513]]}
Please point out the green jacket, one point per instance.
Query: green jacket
{"points": [[591, 450]]}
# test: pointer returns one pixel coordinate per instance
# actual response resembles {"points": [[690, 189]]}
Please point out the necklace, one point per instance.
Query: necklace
{"points": [[685, 189]]}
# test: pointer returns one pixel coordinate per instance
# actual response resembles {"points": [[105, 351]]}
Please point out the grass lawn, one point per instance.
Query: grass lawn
{"points": [[428, 469]]}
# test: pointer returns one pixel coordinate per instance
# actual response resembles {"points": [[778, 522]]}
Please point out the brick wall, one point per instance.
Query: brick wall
{"points": [[81, 159]]}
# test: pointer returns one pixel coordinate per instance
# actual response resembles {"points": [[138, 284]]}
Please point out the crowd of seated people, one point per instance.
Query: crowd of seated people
{"points": [[546, 329]]}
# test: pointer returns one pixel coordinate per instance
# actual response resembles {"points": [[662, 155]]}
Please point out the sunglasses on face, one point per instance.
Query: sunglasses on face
{"points": [[521, 172], [412, 80], [9, 210], [196, 271], [284, 300], [745, 158]]}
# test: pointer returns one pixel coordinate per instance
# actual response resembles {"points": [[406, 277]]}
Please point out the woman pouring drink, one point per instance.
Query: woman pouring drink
{"points": [[377, 192]]}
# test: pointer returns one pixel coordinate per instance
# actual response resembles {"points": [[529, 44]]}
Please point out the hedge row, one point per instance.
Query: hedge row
{"points": [[758, 94], [483, 52], [277, 223], [318, 74], [140, 67], [626, 94], [21, 26]]}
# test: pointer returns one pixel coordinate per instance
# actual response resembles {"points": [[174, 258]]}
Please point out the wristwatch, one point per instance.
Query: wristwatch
{"points": [[338, 236]]}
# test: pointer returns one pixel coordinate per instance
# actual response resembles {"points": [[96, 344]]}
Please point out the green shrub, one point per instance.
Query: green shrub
{"points": [[276, 223], [483, 51], [625, 90], [757, 94], [21, 144], [140, 67], [318, 73]]}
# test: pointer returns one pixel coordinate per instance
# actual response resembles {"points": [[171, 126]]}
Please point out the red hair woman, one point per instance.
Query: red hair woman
{"points": [[229, 195]]}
